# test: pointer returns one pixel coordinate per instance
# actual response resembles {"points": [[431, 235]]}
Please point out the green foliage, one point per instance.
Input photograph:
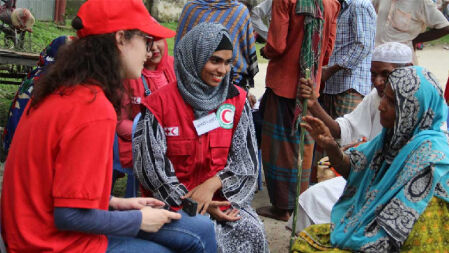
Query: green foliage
{"points": [[45, 32], [171, 42], [7, 93]]}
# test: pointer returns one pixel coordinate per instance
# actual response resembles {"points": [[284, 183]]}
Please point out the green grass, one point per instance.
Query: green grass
{"points": [[442, 40], [6, 95], [43, 33]]}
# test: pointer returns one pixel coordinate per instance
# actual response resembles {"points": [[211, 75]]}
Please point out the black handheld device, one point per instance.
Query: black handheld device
{"points": [[189, 206]]}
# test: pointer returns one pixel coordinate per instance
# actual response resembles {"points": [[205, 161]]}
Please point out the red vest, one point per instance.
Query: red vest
{"points": [[194, 158]]}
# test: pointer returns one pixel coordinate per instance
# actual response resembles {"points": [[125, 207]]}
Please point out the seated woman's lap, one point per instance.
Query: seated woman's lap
{"points": [[118, 244], [429, 233], [189, 234]]}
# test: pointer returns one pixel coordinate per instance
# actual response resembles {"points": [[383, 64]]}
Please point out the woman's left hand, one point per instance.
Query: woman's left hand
{"points": [[134, 203], [203, 193], [229, 215]]}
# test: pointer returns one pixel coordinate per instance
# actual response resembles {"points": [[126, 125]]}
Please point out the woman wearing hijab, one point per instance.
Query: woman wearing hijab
{"points": [[397, 192], [158, 71], [196, 140], [56, 196]]}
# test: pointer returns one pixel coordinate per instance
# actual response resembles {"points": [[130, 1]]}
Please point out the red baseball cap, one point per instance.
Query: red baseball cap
{"points": [[107, 16]]}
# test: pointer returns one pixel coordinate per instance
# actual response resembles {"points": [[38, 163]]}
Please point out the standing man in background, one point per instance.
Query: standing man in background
{"points": [[279, 148], [406, 22], [347, 76]]}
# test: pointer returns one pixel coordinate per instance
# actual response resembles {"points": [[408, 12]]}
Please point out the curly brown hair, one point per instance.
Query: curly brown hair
{"points": [[93, 60]]}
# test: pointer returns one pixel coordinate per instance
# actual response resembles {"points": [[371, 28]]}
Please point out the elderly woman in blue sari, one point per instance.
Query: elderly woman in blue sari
{"points": [[397, 192]]}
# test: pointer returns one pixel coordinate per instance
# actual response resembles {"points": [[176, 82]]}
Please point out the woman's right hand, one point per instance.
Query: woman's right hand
{"points": [[320, 132], [153, 219]]}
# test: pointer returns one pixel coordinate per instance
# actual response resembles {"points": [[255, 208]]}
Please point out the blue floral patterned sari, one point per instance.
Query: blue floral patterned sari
{"points": [[394, 177]]}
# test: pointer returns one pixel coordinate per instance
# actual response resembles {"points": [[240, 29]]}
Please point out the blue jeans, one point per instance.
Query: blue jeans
{"points": [[189, 234]]}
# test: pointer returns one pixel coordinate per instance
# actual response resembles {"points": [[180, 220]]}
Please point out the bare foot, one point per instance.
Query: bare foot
{"points": [[273, 212]]}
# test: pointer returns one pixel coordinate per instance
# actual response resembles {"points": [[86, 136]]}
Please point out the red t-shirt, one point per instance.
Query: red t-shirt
{"points": [[61, 156]]}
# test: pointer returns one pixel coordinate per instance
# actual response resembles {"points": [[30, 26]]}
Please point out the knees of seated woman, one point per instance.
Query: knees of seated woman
{"points": [[189, 234]]}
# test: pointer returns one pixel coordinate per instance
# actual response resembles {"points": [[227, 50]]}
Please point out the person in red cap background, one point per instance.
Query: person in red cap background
{"points": [[158, 71], [55, 198]]}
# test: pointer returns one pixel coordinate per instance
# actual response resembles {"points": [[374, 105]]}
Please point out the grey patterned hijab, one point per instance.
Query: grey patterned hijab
{"points": [[191, 54]]}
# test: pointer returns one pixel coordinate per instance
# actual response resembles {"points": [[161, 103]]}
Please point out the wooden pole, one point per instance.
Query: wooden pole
{"points": [[300, 159]]}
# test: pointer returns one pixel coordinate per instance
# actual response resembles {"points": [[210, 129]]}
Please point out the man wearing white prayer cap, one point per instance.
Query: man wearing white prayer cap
{"points": [[364, 120], [315, 204]]}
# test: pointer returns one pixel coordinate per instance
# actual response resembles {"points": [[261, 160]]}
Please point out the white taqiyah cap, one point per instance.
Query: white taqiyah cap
{"points": [[393, 52]]}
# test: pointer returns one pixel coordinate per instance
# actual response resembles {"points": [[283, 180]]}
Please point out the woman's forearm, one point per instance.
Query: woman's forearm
{"points": [[95, 221]]}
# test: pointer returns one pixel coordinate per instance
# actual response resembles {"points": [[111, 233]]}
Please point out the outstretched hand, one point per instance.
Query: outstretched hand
{"points": [[230, 214], [320, 132]]}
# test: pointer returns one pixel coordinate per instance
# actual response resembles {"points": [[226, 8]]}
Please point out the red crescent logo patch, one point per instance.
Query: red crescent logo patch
{"points": [[226, 116]]}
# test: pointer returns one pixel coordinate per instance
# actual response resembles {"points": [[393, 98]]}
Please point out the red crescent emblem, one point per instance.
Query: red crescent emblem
{"points": [[223, 116]]}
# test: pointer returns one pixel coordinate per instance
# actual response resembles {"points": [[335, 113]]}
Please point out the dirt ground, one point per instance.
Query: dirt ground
{"points": [[433, 58]]}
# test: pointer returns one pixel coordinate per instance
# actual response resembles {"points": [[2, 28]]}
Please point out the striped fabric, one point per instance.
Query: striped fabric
{"points": [[280, 151], [340, 104], [236, 18]]}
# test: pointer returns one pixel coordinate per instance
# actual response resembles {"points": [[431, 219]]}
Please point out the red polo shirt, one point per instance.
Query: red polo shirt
{"points": [[61, 156]]}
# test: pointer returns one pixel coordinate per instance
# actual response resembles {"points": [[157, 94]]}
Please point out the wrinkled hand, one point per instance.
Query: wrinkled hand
{"points": [[320, 133], [229, 215], [203, 193], [306, 91], [134, 203], [153, 219]]}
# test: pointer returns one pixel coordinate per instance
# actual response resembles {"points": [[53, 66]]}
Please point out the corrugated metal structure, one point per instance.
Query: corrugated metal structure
{"points": [[43, 10]]}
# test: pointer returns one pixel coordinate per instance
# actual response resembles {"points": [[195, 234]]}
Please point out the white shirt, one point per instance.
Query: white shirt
{"points": [[364, 121]]}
